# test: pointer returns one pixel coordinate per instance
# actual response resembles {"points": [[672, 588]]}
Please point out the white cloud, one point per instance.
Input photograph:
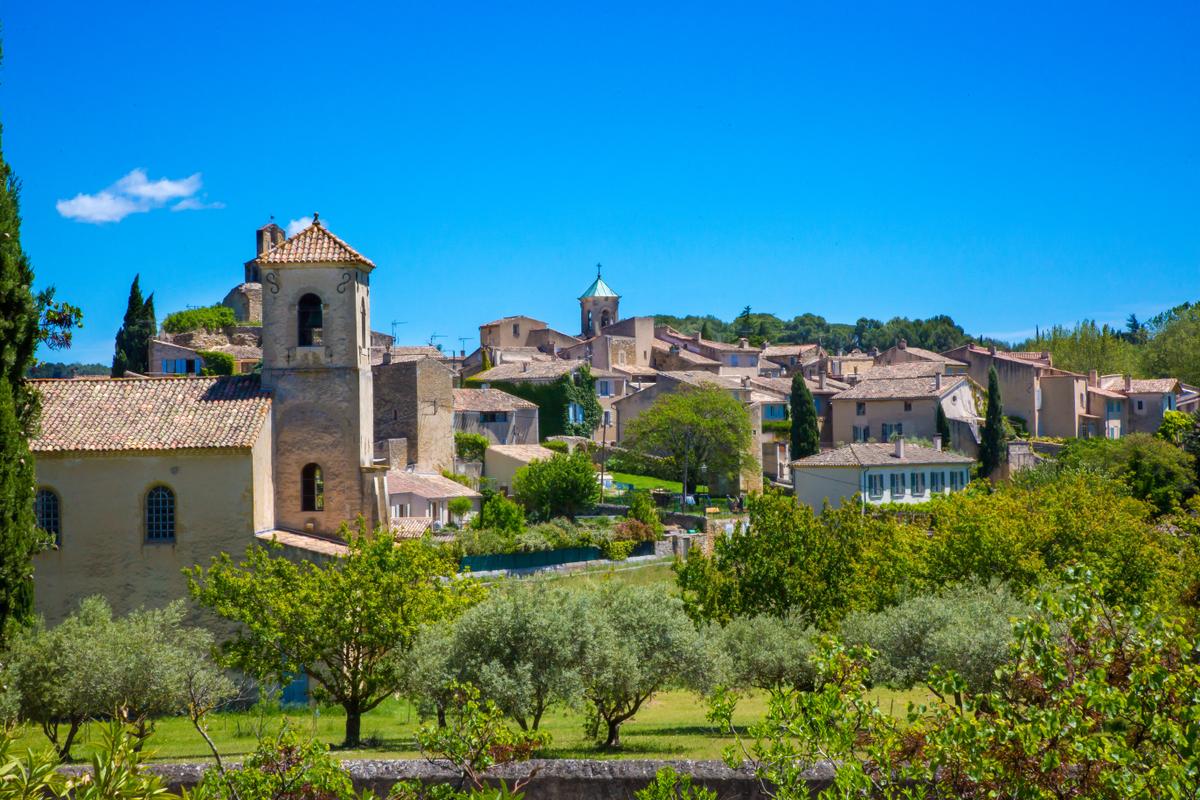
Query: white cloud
{"points": [[135, 194], [297, 225]]}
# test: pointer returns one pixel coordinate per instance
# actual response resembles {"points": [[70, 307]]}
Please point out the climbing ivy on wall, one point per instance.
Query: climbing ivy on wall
{"points": [[554, 401]]}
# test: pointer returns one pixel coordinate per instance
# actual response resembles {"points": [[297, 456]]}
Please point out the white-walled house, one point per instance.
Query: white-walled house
{"points": [[894, 472]]}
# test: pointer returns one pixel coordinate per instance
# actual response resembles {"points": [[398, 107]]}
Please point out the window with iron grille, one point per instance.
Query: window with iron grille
{"points": [[46, 510], [160, 515], [312, 488]]}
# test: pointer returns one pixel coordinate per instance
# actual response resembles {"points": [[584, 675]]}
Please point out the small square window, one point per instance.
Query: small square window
{"points": [[860, 409], [908, 405]]}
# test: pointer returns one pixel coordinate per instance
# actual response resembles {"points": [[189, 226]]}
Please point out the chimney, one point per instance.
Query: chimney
{"points": [[992, 348], [937, 442], [874, 353], [742, 343], [1093, 378], [900, 447], [902, 344], [745, 381], [485, 387], [822, 379], [937, 381], [696, 336], [524, 366], [1128, 383]]}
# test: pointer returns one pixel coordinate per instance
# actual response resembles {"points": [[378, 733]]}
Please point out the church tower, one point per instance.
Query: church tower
{"points": [[597, 307], [316, 363]]}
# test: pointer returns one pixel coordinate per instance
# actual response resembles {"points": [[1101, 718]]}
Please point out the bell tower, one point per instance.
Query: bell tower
{"points": [[317, 365], [597, 307]]}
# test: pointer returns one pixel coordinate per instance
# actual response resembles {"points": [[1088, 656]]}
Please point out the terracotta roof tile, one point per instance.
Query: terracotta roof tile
{"points": [[150, 413], [426, 485], [784, 350], [905, 369], [880, 454], [488, 400], [900, 388], [515, 372], [1140, 385], [314, 245]]}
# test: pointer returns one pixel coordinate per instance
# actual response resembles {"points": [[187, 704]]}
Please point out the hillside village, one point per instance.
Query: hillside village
{"points": [[322, 420]]}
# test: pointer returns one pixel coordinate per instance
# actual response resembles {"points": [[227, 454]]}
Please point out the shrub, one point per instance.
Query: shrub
{"points": [[671, 785], [616, 550], [767, 653], [216, 362], [470, 446], [209, 318], [632, 530], [459, 506], [642, 509], [501, 514], [557, 445], [965, 628], [1154, 469], [463, 480], [283, 768]]}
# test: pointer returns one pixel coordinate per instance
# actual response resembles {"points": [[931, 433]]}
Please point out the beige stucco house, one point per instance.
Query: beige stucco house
{"points": [[878, 473], [876, 410], [1146, 399], [502, 417], [501, 461], [901, 353]]}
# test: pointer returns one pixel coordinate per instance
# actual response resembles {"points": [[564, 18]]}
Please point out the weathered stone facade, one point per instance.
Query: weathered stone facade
{"points": [[414, 400]]}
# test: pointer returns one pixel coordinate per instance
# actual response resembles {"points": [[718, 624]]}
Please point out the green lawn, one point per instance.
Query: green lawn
{"points": [[671, 725], [646, 482]]}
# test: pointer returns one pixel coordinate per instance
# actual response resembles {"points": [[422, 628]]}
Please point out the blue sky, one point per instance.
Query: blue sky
{"points": [[1011, 166]]}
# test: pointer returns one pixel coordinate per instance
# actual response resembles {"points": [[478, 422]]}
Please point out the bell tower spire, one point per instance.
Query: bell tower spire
{"points": [[598, 307]]}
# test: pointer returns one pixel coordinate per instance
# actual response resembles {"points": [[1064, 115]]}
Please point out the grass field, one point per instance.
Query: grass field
{"points": [[646, 482], [671, 725]]}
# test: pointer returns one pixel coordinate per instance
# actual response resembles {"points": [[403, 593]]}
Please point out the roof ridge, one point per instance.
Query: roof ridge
{"points": [[310, 252]]}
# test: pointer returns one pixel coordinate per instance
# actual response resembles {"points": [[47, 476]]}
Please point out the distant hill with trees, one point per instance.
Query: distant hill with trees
{"points": [[57, 369]]}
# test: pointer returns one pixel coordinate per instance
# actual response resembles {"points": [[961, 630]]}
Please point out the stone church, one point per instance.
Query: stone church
{"points": [[139, 478]]}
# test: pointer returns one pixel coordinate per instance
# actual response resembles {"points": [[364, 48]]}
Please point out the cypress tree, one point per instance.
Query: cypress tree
{"points": [[991, 450], [943, 426], [705, 331], [19, 336], [132, 351], [806, 435]]}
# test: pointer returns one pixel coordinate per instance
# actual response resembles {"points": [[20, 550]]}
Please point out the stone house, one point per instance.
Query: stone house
{"points": [[1146, 399], [847, 367], [879, 409], [901, 353], [139, 478], [790, 358], [740, 359], [675, 358], [501, 417], [823, 389], [878, 473], [414, 401]]}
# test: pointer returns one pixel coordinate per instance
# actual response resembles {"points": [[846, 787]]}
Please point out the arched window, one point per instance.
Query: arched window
{"points": [[605, 320], [362, 313], [160, 515], [310, 321], [46, 510], [312, 488], [589, 331]]}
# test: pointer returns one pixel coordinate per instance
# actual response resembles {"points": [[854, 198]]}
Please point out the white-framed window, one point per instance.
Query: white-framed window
{"points": [[896, 484], [916, 481], [937, 482], [875, 486]]}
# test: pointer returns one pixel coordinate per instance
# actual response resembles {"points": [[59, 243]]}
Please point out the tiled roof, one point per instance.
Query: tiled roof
{"points": [[522, 452], [634, 369], [784, 350], [303, 541], [667, 330], [784, 385], [150, 413], [1105, 392], [314, 245], [516, 372], [900, 388], [685, 355], [1039, 359], [488, 400], [880, 454], [411, 527], [905, 369], [929, 355], [1140, 385], [426, 485], [503, 320]]}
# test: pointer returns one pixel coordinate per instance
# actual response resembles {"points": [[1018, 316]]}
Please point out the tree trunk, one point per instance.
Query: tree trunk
{"points": [[353, 728], [441, 715], [613, 741], [683, 494]]}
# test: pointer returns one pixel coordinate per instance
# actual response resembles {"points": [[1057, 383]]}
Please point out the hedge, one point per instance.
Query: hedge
{"points": [[216, 362], [470, 446], [210, 318]]}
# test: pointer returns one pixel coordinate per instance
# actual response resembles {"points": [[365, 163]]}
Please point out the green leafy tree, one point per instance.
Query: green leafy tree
{"points": [[1175, 425], [1154, 469], [992, 448], [470, 446], [209, 318], [639, 641], [1171, 351], [133, 337], [806, 434], [345, 623], [696, 427], [766, 653], [559, 486], [19, 537], [459, 507], [706, 331], [216, 362], [1094, 701]]}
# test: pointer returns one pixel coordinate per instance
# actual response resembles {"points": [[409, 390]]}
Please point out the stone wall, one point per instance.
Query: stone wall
{"points": [[560, 779], [414, 400]]}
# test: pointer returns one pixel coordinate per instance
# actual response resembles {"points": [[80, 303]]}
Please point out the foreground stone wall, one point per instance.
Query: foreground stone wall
{"points": [[559, 779]]}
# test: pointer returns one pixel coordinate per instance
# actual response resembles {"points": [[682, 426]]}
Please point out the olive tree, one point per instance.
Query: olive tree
{"points": [[638, 641], [765, 652], [345, 622]]}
